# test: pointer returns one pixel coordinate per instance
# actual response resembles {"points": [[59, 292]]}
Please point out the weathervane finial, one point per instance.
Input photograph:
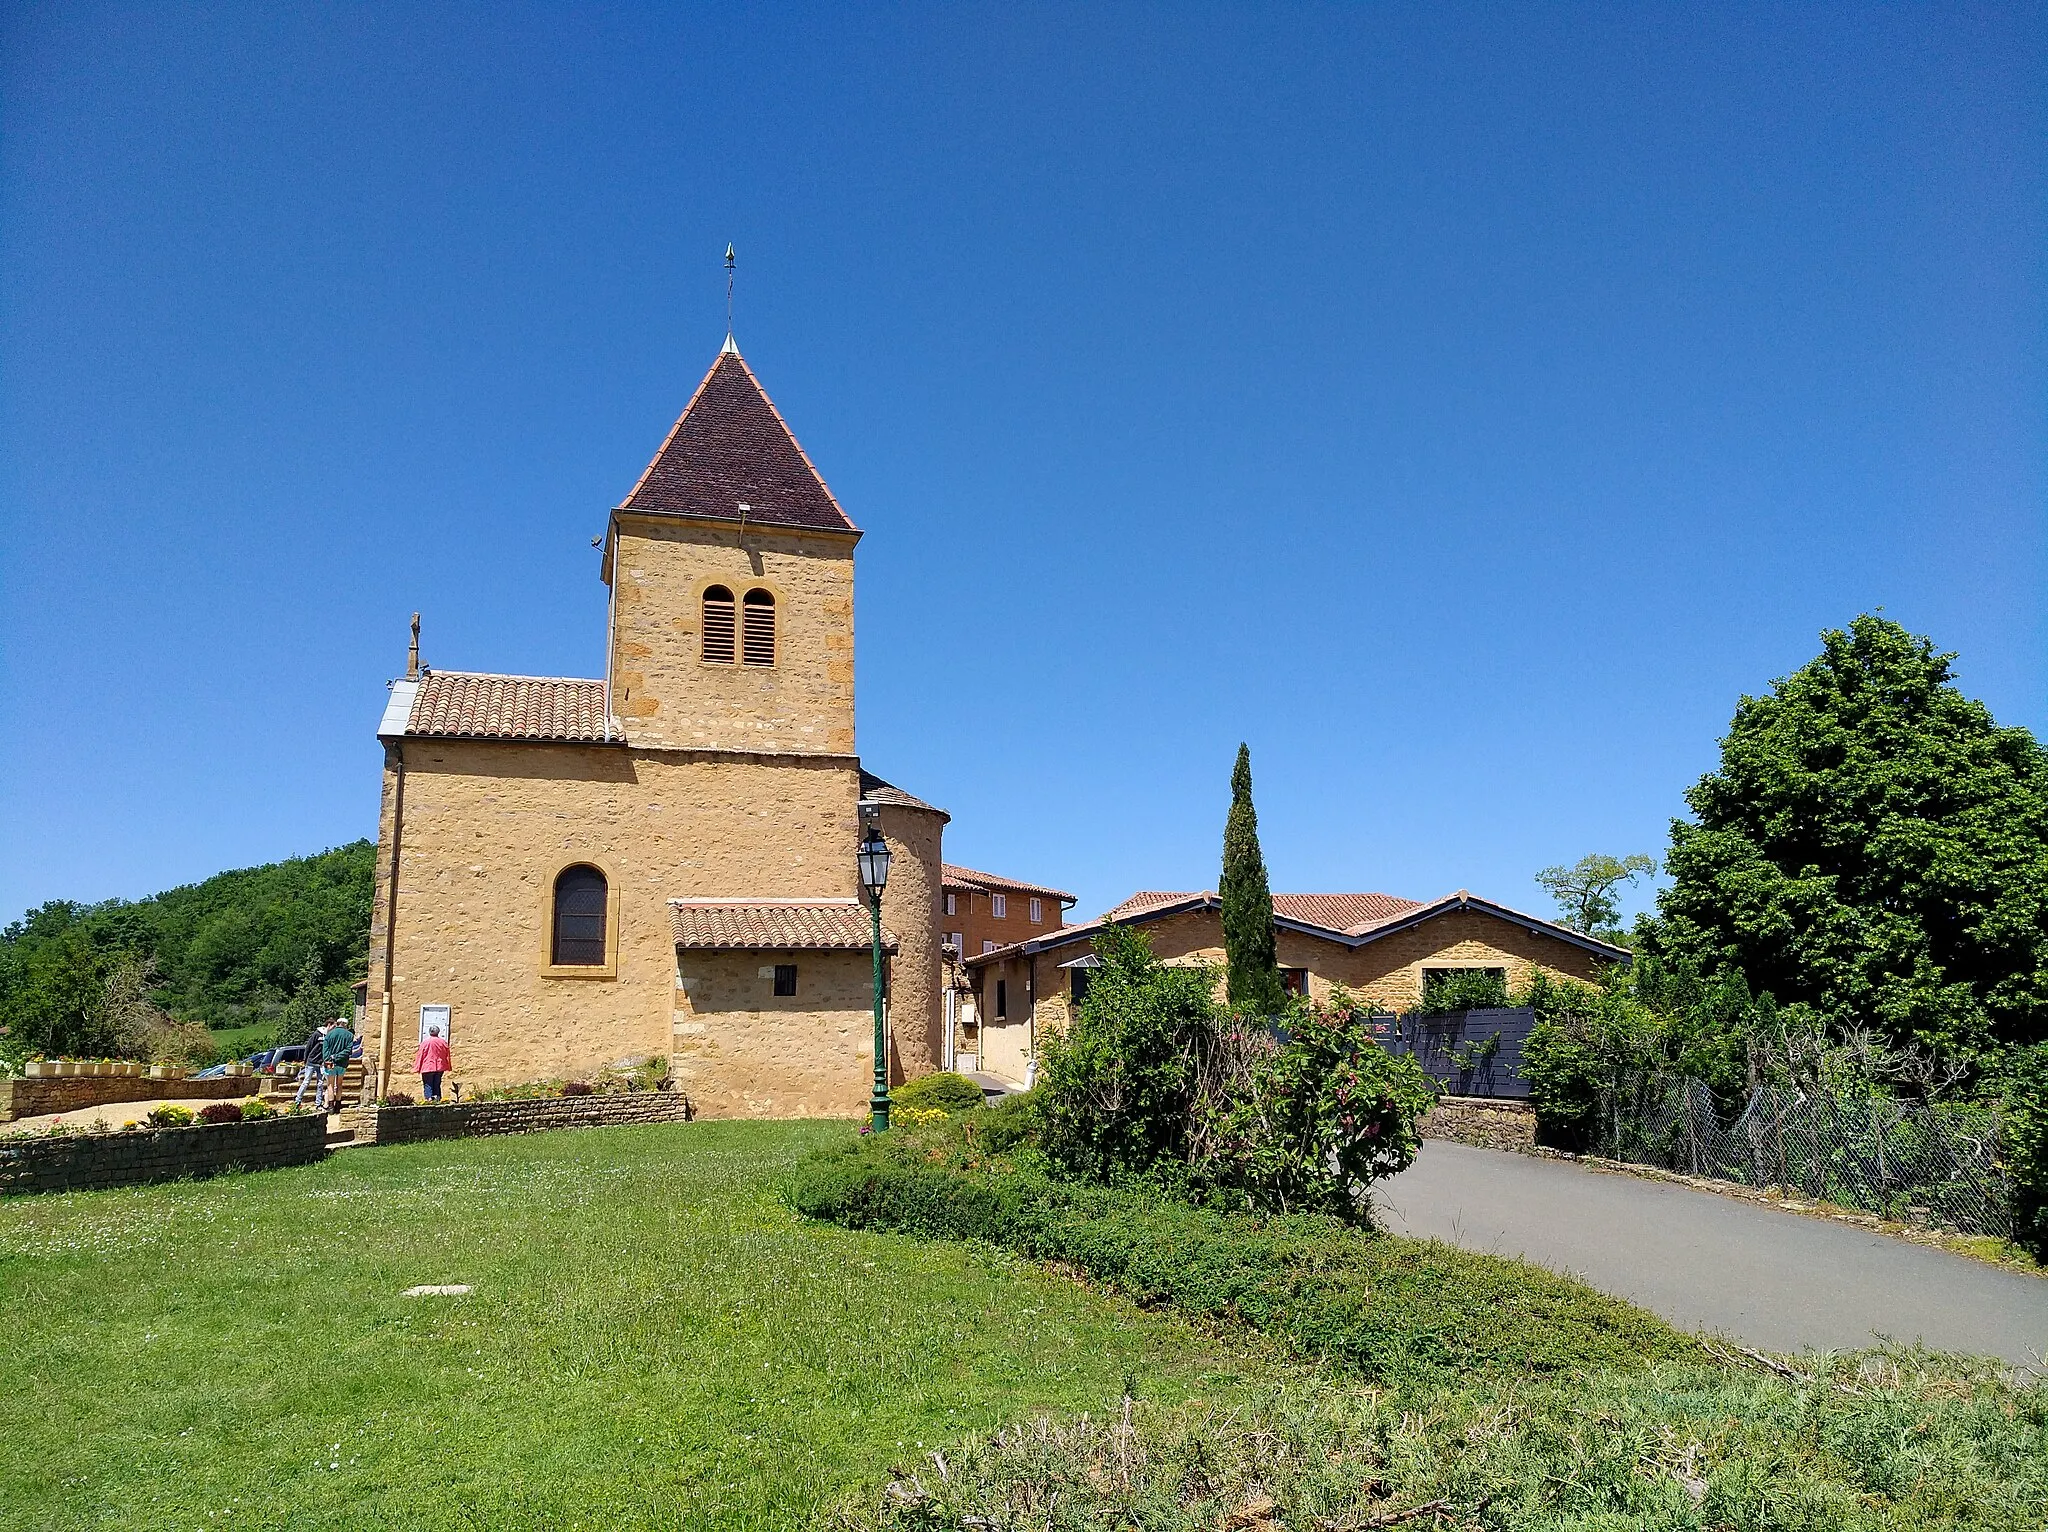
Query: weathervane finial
{"points": [[729, 345]]}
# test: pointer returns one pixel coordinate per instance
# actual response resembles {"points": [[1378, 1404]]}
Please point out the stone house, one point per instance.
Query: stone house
{"points": [[1380, 947], [660, 861], [981, 911]]}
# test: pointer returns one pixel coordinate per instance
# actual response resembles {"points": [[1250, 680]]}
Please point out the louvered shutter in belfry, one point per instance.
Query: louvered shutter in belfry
{"points": [[718, 626], [757, 633]]}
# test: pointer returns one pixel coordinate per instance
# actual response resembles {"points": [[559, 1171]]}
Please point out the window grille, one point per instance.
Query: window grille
{"points": [[580, 911], [718, 629], [757, 629]]}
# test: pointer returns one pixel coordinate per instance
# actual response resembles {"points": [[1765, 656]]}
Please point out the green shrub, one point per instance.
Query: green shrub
{"points": [[1392, 1309], [1116, 1088], [2026, 1147], [1310, 1120], [1862, 1443], [170, 1117], [1462, 989], [255, 1111], [942, 1089]]}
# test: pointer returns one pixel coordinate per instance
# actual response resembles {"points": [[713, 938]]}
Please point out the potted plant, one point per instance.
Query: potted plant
{"points": [[40, 1068], [160, 1072]]}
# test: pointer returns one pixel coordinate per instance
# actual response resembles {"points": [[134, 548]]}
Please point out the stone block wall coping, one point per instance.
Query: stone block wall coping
{"points": [[66, 1162], [24, 1097], [465, 1119]]}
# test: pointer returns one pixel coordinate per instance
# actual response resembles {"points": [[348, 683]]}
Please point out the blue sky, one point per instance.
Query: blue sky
{"points": [[1462, 405]]}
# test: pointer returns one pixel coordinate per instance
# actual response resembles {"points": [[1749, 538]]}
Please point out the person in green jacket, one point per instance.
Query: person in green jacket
{"points": [[335, 1048]]}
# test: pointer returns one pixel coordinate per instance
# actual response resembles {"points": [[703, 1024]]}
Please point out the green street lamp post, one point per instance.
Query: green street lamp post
{"points": [[874, 877]]}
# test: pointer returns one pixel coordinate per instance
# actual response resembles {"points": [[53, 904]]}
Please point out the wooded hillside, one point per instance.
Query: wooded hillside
{"points": [[226, 952]]}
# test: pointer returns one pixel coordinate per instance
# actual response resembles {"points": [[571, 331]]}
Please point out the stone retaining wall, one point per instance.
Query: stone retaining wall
{"points": [[1488, 1121], [72, 1162], [410, 1124], [24, 1097]]}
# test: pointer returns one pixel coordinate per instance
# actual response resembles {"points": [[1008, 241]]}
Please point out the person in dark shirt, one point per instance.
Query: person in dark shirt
{"points": [[335, 1048]]}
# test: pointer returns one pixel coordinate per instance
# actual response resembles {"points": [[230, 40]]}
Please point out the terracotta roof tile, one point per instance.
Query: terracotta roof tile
{"points": [[956, 876], [731, 447], [781, 925], [1342, 912], [456, 703]]}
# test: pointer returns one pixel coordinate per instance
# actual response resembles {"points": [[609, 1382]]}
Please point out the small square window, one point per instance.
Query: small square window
{"points": [[952, 904], [1037, 911], [999, 906], [785, 978]]}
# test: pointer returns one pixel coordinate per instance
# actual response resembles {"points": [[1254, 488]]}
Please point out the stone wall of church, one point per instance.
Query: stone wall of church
{"points": [[910, 909], [663, 691], [488, 825], [741, 1050]]}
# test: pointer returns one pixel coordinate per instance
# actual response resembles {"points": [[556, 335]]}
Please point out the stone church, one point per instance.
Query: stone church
{"points": [[660, 862]]}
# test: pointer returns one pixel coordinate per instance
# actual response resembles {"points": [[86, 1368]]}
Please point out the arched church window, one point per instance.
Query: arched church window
{"points": [[757, 631], [580, 911], [718, 620]]}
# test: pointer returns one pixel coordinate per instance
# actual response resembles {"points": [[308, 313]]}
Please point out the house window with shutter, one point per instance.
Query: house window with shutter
{"points": [[952, 904], [580, 905], [1037, 911], [757, 628], [718, 626], [999, 906]]}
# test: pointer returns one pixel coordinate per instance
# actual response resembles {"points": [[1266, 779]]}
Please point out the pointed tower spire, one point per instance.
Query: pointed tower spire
{"points": [[731, 457]]}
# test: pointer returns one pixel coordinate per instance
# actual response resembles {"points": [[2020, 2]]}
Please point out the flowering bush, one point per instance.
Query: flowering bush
{"points": [[1303, 1120], [917, 1116], [1295, 1114], [221, 1112], [170, 1117], [254, 1110]]}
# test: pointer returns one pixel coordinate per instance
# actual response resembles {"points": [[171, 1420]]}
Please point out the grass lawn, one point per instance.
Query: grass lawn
{"points": [[653, 1341]]}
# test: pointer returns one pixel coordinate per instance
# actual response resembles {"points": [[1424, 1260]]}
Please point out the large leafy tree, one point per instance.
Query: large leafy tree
{"points": [[1873, 849], [1253, 980]]}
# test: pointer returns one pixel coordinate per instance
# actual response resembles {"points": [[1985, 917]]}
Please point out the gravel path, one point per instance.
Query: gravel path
{"points": [[1774, 1280]]}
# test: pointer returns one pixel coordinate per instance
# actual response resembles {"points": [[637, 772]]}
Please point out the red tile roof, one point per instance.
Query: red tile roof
{"points": [[467, 706], [731, 448], [982, 882], [780, 925], [1344, 912], [1335, 912], [1401, 914]]}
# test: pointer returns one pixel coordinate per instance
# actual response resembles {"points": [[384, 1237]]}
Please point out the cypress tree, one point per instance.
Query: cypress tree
{"points": [[1254, 972]]}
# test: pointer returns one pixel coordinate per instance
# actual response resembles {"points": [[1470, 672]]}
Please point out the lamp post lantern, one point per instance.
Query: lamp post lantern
{"points": [[874, 877]]}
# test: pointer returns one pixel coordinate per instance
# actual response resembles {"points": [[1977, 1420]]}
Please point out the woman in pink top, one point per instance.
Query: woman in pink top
{"points": [[431, 1062]]}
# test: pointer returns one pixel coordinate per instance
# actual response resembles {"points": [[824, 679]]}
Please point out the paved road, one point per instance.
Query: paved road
{"points": [[1776, 1280]]}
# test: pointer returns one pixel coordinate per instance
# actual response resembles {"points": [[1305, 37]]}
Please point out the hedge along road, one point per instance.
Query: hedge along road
{"points": [[1778, 1281]]}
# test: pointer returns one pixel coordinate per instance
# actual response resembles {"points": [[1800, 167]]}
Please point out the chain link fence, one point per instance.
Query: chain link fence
{"points": [[1903, 1160]]}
